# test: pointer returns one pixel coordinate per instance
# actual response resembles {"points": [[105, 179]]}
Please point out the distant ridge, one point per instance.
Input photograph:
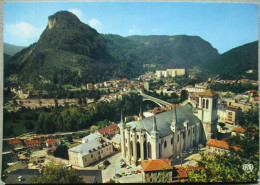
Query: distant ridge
{"points": [[235, 63], [12, 49], [71, 52]]}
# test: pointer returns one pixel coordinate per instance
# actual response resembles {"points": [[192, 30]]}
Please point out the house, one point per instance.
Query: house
{"points": [[32, 144], [110, 130], [215, 146], [238, 131], [232, 114], [90, 86], [15, 143], [181, 174], [152, 168], [92, 136], [91, 151], [107, 83], [90, 176], [52, 142]]}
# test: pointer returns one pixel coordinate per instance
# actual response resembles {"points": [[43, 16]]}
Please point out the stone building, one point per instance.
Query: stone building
{"points": [[90, 151], [152, 169], [168, 134], [232, 114], [215, 146]]}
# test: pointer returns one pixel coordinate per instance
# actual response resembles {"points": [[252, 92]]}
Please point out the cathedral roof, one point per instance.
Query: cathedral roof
{"points": [[164, 120]]}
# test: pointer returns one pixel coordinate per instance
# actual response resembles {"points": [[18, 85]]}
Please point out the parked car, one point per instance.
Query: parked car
{"points": [[122, 160], [124, 174], [133, 172], [128, 167], [118, 175], [128, 173], [138, 171], [125, 166]]}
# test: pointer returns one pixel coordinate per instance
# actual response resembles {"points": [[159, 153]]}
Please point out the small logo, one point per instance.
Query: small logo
{"points": [[248, 168]]}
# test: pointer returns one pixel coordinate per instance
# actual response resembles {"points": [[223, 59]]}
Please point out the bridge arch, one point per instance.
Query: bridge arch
{"points": [[145, 99]]}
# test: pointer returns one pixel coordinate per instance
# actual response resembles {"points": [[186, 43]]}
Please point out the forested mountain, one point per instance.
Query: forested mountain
{"points": [[71, 52], [180, 51], [12, 49], [235, 63]]}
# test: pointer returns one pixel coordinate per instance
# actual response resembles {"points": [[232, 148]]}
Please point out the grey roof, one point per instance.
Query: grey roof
{"points": [[92, 136], [27, 174], [163, 120], [117, 139], [89, 176], [90, 146]]}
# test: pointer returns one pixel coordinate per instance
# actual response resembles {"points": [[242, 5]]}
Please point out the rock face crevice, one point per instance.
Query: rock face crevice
{"points": [[51, 23]]}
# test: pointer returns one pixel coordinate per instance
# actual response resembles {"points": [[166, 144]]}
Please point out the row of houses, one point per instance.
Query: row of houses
{"points": [[26, 144], [122, 85]]}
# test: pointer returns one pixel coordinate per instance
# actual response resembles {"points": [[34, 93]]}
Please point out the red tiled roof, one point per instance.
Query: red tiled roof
{"points": [[109, 129], [239, 129], [32, 142], [181, 172], [156, 165], [220, 144], [208, 92], [233, 108], [51, 140], [14, 141]]}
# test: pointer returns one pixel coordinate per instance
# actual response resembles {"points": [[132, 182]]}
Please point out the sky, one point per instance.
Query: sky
{"points": [[223, 25]]}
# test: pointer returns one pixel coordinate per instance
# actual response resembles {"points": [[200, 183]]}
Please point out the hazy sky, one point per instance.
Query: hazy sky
{"points": [[224, 25]]}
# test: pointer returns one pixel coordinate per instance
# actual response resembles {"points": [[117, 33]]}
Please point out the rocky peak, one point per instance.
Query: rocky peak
{"points": [[64, 18]]}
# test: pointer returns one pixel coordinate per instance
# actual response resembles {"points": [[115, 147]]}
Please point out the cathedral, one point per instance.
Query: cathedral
{"points": [[168, 134]]}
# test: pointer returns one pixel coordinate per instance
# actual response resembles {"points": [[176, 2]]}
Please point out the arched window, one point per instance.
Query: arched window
{"points": [[172, 140], [137, 136], [203, 106], [165, 144], [207, 104]]}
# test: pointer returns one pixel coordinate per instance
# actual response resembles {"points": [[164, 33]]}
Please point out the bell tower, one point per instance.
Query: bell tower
{"points": [[154, 140], [207, 113], [122, 133]]}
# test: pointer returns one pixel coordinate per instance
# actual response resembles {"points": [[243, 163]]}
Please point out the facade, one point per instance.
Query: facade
{"points": [[15, 143], [169, 133], [152, 168], [232, 114], [52, 142], [90, 151], [215, 146]]}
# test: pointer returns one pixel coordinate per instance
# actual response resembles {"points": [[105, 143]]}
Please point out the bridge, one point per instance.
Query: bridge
{"points": [[159, 102]]}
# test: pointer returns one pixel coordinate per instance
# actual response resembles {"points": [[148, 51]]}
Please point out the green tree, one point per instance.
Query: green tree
{"points": [[184, 95], [57, 174], [61, 152], [229, 168], [164, 176]]}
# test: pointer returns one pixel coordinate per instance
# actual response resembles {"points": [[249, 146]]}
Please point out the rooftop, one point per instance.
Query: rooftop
{"points": [[233, 108], [208, 92], [109, 129], [156, 164], [14, 141], [51, 140], [220, 144], [164, 120], [239, 129]]}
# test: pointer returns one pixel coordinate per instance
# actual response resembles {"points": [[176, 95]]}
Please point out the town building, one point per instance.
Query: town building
{"points": [[94, 148], [152, 169], [232, 114], [15, 144], [33, 144], [109, 130], [238, 131], [181, 174], [215, 146], [169, 133], [52, 142]]}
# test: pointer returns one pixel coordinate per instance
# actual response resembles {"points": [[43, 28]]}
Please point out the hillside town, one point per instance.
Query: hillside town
{"points": [[168, 139]]}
